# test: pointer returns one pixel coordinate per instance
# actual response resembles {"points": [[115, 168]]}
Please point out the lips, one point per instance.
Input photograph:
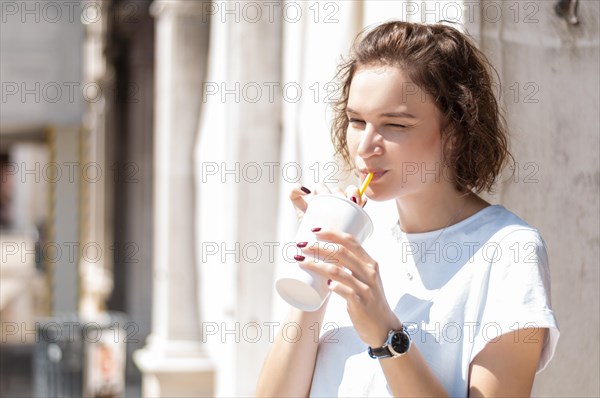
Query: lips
{"points": [[377, 173]]}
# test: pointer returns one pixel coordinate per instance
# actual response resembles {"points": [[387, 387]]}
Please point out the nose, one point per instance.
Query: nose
{"points": [[371, 143]]}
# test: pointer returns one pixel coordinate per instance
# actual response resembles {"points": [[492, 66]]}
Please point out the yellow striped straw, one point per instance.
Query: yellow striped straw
{"points": [[365, 184]]}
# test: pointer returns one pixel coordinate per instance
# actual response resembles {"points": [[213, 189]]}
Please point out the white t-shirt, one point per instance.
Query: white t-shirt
{"points": [[484, 276]]}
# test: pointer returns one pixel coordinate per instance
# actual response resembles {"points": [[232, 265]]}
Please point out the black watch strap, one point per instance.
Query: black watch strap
{"points": [[381, 352]]}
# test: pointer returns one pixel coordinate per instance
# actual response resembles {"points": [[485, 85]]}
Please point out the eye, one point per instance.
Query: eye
{"points": [[400, 126], [356, 121]]}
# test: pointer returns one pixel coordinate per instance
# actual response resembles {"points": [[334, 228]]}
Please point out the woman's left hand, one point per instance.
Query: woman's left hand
{"points": [[362, 289]]}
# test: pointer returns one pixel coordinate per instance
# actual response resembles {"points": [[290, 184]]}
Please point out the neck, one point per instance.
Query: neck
{"points": [[438, 209]]}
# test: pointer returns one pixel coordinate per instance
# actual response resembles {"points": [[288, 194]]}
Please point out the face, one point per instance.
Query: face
{"points": [[394, 132]]}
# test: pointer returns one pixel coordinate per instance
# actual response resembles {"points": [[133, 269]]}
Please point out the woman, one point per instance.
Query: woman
{"points": [[455, 299]]}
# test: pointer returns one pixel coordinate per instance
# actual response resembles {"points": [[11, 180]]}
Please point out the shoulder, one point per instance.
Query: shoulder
{"points": [[513, 250], [496, 229], [519, 264], [505, 229], [503, 220]]}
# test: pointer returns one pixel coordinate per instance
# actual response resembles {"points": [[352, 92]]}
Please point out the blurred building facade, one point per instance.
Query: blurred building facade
{"points": [[75, 132], [190, 121]]}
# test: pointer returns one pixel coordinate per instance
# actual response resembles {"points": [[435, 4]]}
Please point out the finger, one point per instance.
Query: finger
{"points": [[342, 238], [297, 195], [353, 194], [337, 274], [347, 241], [338, 255], [345, 292]]}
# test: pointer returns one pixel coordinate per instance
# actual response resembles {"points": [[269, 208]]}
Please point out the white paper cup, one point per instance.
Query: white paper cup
{"points": [[307, 290]]}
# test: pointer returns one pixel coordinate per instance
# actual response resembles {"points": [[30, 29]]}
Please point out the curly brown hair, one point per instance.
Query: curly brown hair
{"points": [[446, 64]]}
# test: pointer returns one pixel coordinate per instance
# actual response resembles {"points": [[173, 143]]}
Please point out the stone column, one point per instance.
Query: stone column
{"points": [[96, 156], [64, 221], [173, 362]]}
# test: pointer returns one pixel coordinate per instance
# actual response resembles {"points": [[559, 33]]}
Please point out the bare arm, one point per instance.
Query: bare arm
{"points": [[411, 376], [289, 365], [506, 366]]}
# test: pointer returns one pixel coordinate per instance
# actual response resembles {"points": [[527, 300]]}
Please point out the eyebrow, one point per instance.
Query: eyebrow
{"points": [[388, 114]]}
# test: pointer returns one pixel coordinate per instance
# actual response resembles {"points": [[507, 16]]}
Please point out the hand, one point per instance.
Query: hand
{"points": [[298, 194], [362, 288]]}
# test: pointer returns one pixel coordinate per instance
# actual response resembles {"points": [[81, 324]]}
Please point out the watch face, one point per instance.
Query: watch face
{"points": [[400, 342]]}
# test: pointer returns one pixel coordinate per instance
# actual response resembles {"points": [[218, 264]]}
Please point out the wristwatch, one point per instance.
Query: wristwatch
{"points": [[397, 344]]}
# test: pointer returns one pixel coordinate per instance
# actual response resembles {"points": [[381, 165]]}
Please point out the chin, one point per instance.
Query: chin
{"points": [[381, 195], [391, 191]]}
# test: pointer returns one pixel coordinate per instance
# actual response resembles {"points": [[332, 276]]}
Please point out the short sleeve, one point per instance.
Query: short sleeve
{"points": [[516, 294]]}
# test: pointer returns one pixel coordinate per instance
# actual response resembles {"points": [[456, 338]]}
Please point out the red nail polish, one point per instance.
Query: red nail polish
{"points": [[304, 189], [315, 229], [328, 282], [354, 199], [301, 244], [298, 257]]}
